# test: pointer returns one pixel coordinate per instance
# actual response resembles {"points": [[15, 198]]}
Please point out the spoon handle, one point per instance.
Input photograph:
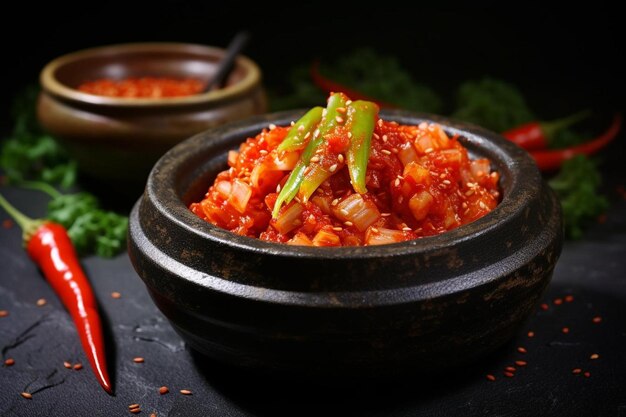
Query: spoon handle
{"points": [[227, 63]]}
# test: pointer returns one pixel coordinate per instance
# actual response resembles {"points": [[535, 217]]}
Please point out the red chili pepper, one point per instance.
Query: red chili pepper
{"points": [[329, 86], [549, 160], [537, 135], [49, 245]]}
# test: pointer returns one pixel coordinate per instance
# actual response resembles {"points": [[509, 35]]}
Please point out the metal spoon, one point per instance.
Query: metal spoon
{"points": [[226, 65]]}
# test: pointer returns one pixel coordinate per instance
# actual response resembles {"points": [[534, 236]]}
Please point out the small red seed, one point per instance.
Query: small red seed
{"points": [[569, 298], [116, 295], [587, 374], [4, 313], [491, 377], [138, 360], [164, 390], [520, 363], [594, 356], [531, 334], [558, 301], [576, 371], [7, 223], [509, 374], [26, 395], [67, 365], [565, 330], [41, 302], [78, 366], [9, 362], [185, 392], [521, 350], [544, 306], [597, 319], [510, 369]]}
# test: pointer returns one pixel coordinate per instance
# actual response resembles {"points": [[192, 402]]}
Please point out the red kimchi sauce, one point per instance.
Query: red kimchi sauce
{"points": [[144, 87], [420, 182]]}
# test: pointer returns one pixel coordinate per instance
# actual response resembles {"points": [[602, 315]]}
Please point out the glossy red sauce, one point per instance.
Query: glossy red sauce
{"points": [[420, 183], [144, 87]]}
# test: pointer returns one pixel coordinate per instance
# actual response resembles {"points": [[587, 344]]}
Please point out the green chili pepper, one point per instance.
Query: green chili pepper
{"points": [[297, 136], [362, 120], [313, 179], [329, 121]]}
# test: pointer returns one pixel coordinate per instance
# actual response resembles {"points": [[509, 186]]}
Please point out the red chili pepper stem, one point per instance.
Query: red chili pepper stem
{"points": [[50, 247], [550, 128]]}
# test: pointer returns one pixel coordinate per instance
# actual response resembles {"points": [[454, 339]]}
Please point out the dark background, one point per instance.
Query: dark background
{"points": [[562, 62]]}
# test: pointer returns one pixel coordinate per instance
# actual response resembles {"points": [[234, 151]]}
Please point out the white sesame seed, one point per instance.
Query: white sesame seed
{"points": [[386, 152], [348, 102], [470, 192], [482, 205], [428, 150], [315, 158], [464, 205], [337, 229], [339, 119], [385, 138], [385, 214], [272, 126], [340, 158], [344, 212], [349, 135], [292, 123], [373, 229], [442, 176], [394, 150], [447, 182], [307, 135], [316, 133], [324, 112], [278, 188], [333, 168], [407, 229], [334, 202], [341, 110], [263, 152], [300, 128], [380, 122], [396, 182], [348, 223]]}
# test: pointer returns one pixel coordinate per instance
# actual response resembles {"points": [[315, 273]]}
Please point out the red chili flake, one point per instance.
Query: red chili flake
{"points": [[491, 377], [576, 371], [78, 366], [164, 390], [510, 369], [138, 360], [509, 374], [565, 330], [4, 313], [594, 356], [26, 395], [597, 319], [569, 298], [9, 362], [7, 223], [544, 306], [558, 301], [587, 374], [521, 349], [531, 334], [521, 363]]}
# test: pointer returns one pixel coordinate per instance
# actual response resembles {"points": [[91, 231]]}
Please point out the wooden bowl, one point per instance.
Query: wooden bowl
{"points": [[420, 305], [118, 140]]}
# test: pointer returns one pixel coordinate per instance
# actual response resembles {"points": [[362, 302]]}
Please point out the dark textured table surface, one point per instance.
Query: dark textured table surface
{"points": [[41, 338]]}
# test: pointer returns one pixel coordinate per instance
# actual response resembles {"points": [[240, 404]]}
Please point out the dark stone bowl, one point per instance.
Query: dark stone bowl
{"points": [[421, 305]]}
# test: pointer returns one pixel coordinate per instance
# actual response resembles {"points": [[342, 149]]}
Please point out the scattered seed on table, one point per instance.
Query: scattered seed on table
{"points": [[531, 334], [4, 313], [67, 365], [587, 374], [9, 362], [521, 349], [26, 395], [558, 301], [491, 377], [509, 374], [138, 360], [565, 330], [544, 306], [78, 366], [597, 319], [41, 302], [185, 392], [7, 223], [164, 390], [594, 356], [130, 407], [576, 371], [153, 415], [569, 298], [520, 363], [135, 410], [510, 369], [116, 295]]}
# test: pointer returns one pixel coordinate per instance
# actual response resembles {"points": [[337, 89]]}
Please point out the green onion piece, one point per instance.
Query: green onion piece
{"points": [[329, 122], [362, 120], [297, 136]]}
